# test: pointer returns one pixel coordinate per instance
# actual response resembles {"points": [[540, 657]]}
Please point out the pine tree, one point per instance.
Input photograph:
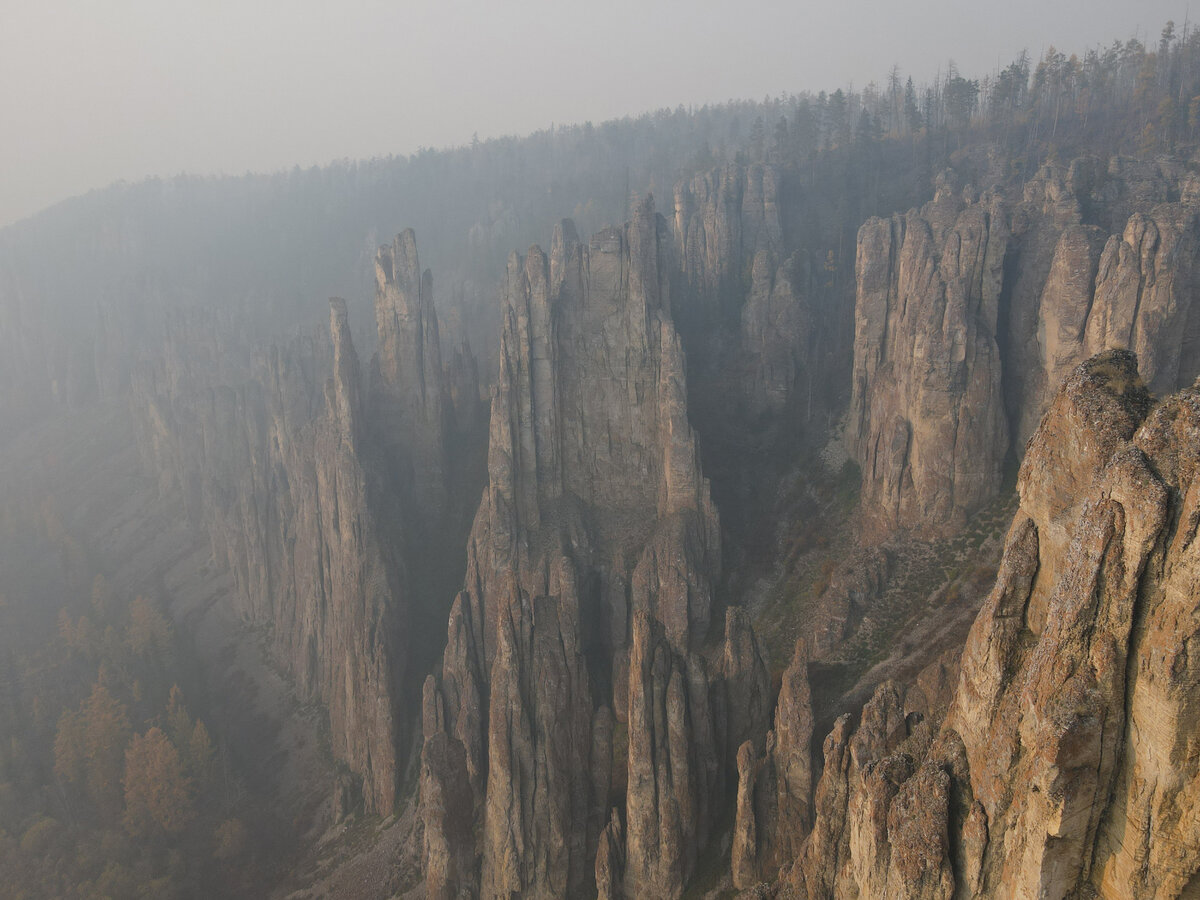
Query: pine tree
{"points": [[912, 111]]}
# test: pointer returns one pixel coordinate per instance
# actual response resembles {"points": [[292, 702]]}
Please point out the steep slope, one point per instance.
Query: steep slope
{"points": [[926, 418], [319, 499], [971, 311], [1065, 765], [273, 469], [587, 602], [1100, 558]]}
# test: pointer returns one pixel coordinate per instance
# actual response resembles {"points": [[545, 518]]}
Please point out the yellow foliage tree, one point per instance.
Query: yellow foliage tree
{"points": [[149, 631], [201, 754], [90, 747], [158, 795], [179, 723]]}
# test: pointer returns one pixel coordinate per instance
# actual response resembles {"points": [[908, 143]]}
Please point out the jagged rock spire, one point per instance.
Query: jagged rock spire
{"points": [[410, 396], [595, 516], [347, 403]]}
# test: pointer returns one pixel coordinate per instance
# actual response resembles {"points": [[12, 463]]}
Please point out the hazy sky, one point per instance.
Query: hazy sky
{"points": [[92, 92]]}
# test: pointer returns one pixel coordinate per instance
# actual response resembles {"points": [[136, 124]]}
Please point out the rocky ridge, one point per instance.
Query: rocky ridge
{"points": [[311, 497], [587, 603], [1074, 682], [638, 730], [585, 729], [973, 309], [737, 267]]}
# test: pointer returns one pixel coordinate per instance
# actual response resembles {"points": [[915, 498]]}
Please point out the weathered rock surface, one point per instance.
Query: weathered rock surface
{"points": [[1144, 299], [723, 218], [926, 419], [1076, 288], [958, 304], [316, 498], [1026, 715], [588, 589], [409, 391], [1062, 768], [1051, 262], [278, 480], [774, 799], [739, 273], [585, 728], [777, 331], [610, 861], [673, 764]]}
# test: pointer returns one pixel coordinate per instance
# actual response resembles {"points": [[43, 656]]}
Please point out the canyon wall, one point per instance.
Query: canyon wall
{"points": [[971, 311], [1063, 762], [575, 677], [315, 488]]}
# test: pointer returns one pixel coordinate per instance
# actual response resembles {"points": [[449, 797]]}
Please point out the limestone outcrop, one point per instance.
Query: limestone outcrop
{"points": [[737, 270], [588, 599], [674, 766], [723, 219], [1102, 258], [1144, 299], [773, 814], [409, 391], [322, 493], [1062, 768], [1091, 564], [777, 331], [926, 418], [277, 478], [970, 299]]}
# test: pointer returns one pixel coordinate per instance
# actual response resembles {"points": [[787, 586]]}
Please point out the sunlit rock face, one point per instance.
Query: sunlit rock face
{"points": [[1075, 705], [926, 418]]}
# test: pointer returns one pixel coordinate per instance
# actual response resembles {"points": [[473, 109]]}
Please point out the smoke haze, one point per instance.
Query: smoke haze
{"points": [[92, 92]]}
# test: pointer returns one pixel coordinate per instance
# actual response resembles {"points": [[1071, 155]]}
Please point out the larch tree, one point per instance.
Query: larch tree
{"points": [[158, 795]]}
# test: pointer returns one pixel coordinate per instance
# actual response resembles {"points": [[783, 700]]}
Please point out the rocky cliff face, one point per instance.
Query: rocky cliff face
{"points": [[322, 493], [1145, 285], [970, 300], [723, 218], [574, 678], [926, 418], [778, 331], [736, 267], [409, 390], [1062, 768], [1063, 307], [1095, 565], [774, 794], [273, 469], [586, 733]]}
